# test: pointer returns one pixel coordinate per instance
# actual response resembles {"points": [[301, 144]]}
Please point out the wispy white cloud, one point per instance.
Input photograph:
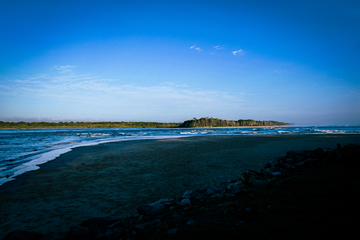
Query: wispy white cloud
{"points": [[92, 96], [219, 47], [4, 86], [238, 52], [195, 48], [65, 68]]}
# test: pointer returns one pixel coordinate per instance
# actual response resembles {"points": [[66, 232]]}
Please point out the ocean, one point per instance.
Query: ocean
{"points": [[23, 150]]}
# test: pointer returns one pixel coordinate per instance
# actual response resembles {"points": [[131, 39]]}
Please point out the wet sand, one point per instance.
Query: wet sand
{"points": [[112, 179]]}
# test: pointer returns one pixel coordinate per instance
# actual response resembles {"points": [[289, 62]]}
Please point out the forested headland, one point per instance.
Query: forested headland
{"points": [[215, 122], [194, 123]]}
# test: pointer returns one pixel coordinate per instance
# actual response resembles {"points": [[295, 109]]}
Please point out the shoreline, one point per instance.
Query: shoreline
{"points": [[112, 179], [146, 127]]}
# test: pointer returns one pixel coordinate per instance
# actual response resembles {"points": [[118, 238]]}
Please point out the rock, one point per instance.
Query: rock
{"points": [[267, 172], [248, 209], [268, 165], [225, 204], [192, 194], [188, 194], [229, 195], [158, 210], [23, 235], [152, 224], [235, 186], [252, 179], [259, 183], [201, 196], [185, 202], [320, 151], [244, 177], [289, 161], [191, 222], [216, 189], [276, 173], [165, 201], [172, 231], [210, 192], [144, 209], [290, 166], [108, 232]]}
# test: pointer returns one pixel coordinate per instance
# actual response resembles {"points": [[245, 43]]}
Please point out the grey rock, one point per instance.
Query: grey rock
{"points": [[259, 183], [158, 210], [108, 232], [229, 195], [172, 231], [144, 209], [216, 189], [268, 165], [188, 194], [225, 204], [185, 202], [191, 222], [152, 224], [217, 196], [165, 201], [201, 196], [236, 186], [276, 173], [210, 192]]}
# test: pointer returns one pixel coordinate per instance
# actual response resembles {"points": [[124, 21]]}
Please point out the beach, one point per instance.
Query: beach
{"points": [[113, 179]]}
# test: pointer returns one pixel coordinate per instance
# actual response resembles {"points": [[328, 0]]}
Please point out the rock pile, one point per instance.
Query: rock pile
{"points": [[201, 208]]}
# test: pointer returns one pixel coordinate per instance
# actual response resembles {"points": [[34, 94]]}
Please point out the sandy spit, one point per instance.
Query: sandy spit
{"points": [[112, 179]]}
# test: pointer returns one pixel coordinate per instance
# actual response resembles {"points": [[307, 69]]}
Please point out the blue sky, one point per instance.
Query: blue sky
{"points": [[170, 61]]}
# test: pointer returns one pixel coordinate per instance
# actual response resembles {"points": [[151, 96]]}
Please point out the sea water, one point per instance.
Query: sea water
{"points": [[22, 150]]}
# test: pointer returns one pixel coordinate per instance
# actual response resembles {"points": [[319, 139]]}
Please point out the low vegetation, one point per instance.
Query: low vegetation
{"points": [[194, 123]]}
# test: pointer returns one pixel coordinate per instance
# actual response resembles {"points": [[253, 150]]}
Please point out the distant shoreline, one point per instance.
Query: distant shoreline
{"points": [[144, 127], [194, 123]]}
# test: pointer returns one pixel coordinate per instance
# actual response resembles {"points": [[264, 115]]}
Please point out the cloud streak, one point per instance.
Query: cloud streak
{"points": [[85, 96], [65, 68], [195, 48], [238, 52], [219, 47]]}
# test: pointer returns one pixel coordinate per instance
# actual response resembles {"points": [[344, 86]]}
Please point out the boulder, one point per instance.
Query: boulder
{"points": [[172, 231], [144, 209], [185, 202]]}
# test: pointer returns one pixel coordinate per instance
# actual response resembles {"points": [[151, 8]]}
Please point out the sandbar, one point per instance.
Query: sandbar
{"points": [[112, 179]]}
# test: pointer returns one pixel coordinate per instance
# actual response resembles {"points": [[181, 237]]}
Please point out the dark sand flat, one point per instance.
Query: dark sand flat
{"points": [[113, 179]]}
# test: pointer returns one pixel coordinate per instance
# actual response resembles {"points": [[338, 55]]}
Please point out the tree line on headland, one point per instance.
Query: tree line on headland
{"points": [[215, 122], [194, 123]]}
